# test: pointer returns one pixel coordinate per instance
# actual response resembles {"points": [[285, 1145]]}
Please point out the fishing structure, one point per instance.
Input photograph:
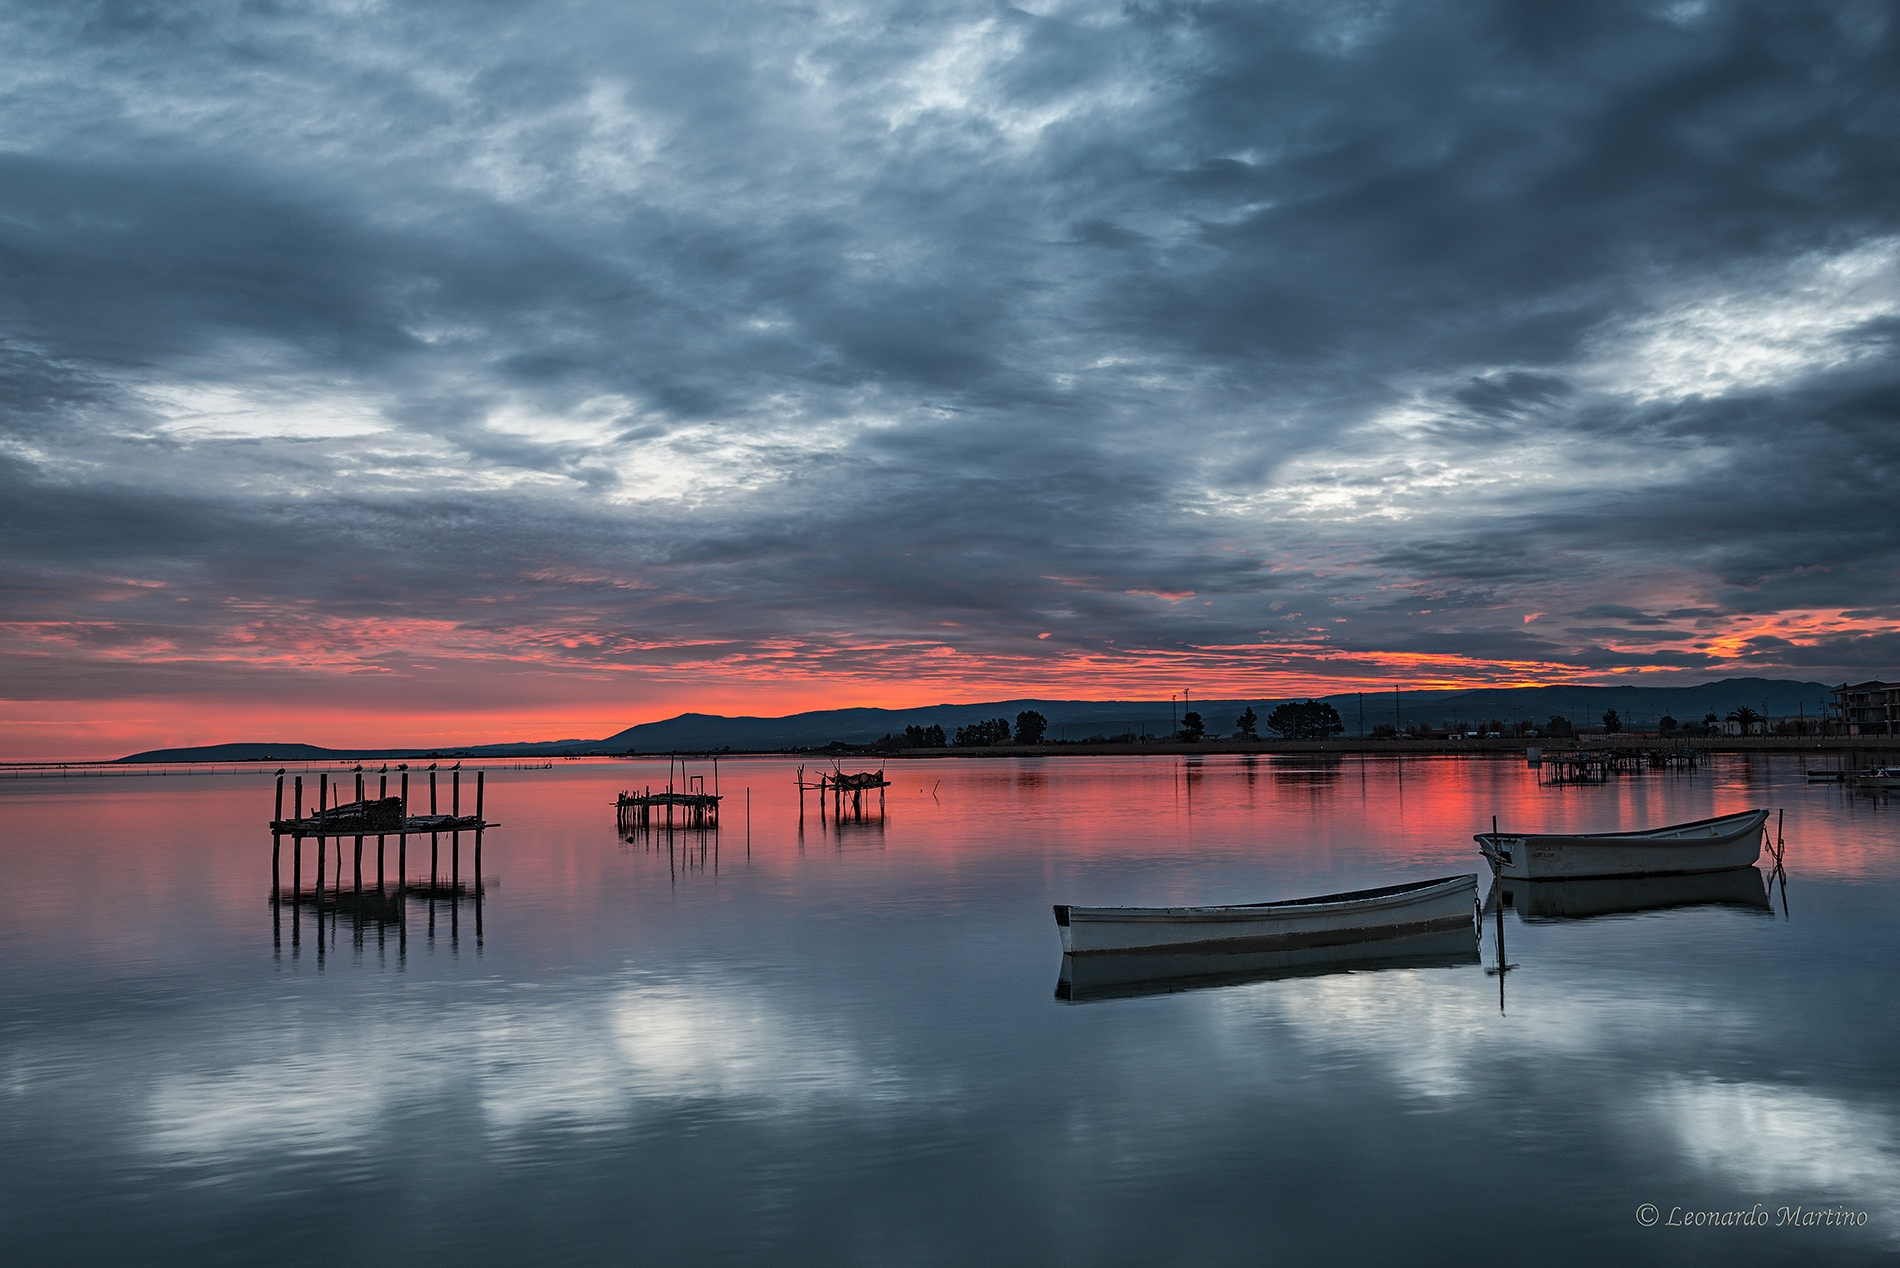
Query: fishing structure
{"points": [[383, 816], [841, 787], [688, 805]]}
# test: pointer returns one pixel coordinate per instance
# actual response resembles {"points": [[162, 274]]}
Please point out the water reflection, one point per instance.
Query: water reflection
{"points": [[1115, 976], [856, 1047], [1743, 888]]}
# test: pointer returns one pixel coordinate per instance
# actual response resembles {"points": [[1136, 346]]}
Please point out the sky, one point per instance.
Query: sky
{"points": [[403, 373]]}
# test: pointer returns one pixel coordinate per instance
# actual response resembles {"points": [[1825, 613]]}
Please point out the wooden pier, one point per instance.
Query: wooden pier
{"points": [[687, 805], [382, 817], [842, 787], [1596, 766]]}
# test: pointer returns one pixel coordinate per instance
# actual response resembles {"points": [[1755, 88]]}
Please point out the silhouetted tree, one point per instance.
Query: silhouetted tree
{"points": [[1612, 721], [1385, 731], [1305, 720], [1559, 726], [1247, 723], [1192, 728], [983, 734], [1746, 718], [1031, 727], [1666, 724], [923, 736]]}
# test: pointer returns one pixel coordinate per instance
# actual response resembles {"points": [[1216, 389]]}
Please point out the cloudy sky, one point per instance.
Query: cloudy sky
{"points": [[410, 372]]}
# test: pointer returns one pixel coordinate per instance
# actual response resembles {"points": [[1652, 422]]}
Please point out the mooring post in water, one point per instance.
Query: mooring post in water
{"points": [[359, 785], [479, 776], [359, 864], [323, 804], [276, 843], [435, 845], [405, 794], [455, 838], [296, 852], [379, 863]]}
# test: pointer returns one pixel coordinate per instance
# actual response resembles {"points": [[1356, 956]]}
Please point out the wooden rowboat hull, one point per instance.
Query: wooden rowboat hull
{"points": [[1302, 924], [1706, 845]]}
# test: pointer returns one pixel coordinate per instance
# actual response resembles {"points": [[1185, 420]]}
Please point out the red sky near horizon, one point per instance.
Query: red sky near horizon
{"points": [[1257, 356]]}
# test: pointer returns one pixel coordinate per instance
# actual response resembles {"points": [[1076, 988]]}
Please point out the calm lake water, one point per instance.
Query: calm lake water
{"points": [[844, 1046]]}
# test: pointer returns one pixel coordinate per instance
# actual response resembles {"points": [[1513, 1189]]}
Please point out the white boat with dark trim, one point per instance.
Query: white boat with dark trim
{"points": [[1706, 845], [1392, 911], [1878, 777]]}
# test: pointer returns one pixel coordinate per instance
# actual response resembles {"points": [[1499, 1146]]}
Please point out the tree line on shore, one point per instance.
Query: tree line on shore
{"points": [[1317, 720], [1293, 720]]}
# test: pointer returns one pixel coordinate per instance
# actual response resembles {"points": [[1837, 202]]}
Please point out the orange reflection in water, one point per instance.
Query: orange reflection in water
{"points": [[151, 873]]}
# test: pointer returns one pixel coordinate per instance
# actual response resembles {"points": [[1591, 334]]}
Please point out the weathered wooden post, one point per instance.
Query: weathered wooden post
{"points": [[359, 862], [435, 841], [276, 844], [382, 794], [402, 843], [479, 775], [323, 802], [455, 838], [359, 785], [296, 854]]}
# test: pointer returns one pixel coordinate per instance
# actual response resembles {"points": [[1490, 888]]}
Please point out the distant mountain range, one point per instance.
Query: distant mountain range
{"points": [[1079, 719]]}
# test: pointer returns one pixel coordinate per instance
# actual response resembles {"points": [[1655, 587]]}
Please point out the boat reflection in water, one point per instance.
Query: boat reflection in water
{"points": [[1534, 901], [1118, 976]]}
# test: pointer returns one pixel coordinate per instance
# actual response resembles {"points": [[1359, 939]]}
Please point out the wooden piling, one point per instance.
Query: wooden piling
{"points": [[276, 845], [296, 857], [382, 793], [479, 777], [323, 798]]}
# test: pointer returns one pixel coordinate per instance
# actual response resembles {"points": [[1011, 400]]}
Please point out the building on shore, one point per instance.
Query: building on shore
{"points": [[1867, 708]]}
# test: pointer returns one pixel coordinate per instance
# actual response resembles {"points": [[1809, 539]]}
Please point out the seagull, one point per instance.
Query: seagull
{"points": [[431, 765], [384, 769], [358, 768], [280, 770]]}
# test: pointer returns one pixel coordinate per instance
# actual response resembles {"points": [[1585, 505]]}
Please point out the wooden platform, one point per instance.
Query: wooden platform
{"points": [[380, 817]]}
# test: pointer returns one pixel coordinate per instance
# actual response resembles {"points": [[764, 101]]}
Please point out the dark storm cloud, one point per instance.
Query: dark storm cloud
{"points": [[594, 332]]}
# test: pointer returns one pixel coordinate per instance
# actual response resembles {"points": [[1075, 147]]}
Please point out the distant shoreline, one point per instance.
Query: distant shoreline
{"points": [[863, 753]]}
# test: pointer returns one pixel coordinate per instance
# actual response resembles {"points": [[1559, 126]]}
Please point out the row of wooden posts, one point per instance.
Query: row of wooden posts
{"points": [[315, 828]]}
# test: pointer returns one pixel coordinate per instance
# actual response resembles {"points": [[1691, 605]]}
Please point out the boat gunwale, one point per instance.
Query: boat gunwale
{"points": [[1655, 836], [1370, 899]]}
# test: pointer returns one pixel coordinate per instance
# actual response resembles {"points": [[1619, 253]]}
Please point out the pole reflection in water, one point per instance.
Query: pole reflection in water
{"points": [[743, 1064]]}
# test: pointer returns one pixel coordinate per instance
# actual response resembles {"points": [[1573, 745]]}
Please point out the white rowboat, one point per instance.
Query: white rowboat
{"points": [[1394, 911], [1707, 845]]}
